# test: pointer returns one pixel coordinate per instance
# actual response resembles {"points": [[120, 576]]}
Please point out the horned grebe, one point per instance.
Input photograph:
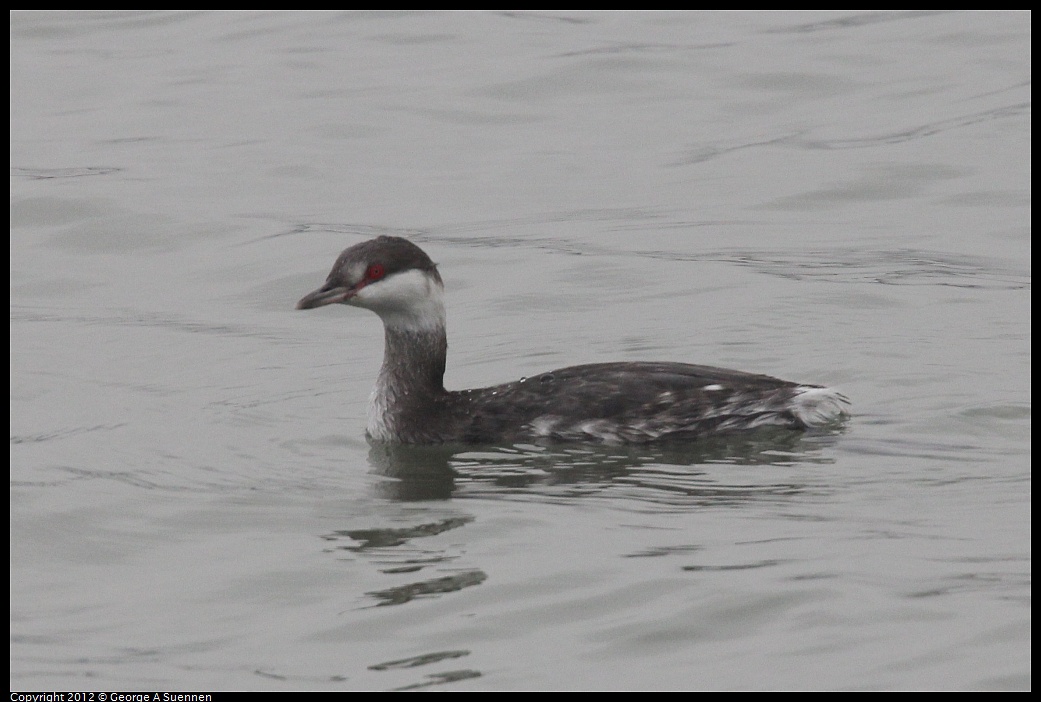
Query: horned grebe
{"points": [[601, 402]]}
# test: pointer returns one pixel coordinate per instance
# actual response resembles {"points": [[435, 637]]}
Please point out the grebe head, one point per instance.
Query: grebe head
{"points": [[390, 276]]}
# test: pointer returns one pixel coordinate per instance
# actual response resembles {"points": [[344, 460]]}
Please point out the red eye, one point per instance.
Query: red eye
{"points": [[374, 272]]}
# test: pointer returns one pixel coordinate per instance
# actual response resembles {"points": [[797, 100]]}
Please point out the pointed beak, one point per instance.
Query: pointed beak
{"points": [[326, 295]]}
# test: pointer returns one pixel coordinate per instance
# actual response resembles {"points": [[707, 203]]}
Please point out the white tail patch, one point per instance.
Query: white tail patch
{"points": [[817, 407]]}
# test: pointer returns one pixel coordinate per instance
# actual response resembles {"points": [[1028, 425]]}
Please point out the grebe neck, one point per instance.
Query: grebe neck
{"points": [[410, 384]]}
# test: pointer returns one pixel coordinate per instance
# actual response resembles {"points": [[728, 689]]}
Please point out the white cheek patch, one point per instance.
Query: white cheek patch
{"points": [[409, 300]]}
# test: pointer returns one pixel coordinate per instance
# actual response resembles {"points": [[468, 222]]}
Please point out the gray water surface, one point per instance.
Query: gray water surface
{"points": [[838, 198]]}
